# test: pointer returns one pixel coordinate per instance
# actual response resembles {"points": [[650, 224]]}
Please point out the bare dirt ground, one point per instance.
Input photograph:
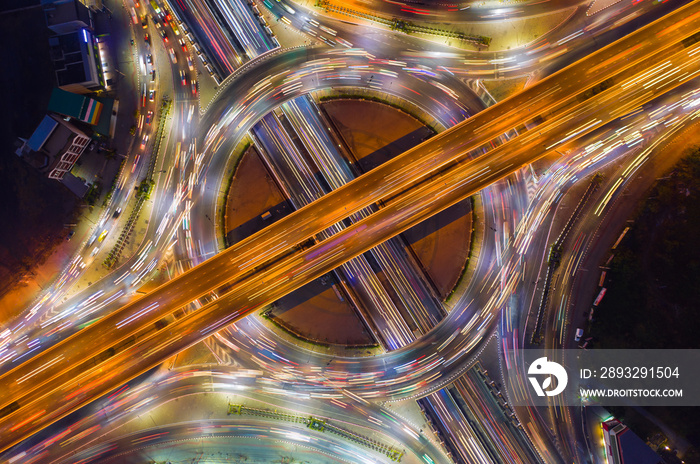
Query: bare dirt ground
{"points": [[368, 126], [322, 317], [441, 244], [252, 191], [375, 133]]}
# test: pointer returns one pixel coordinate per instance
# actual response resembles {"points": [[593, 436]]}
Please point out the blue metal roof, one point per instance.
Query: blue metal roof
{"points": [[42, 132]]}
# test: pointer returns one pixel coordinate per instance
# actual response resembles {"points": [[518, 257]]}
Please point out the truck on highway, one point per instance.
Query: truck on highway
{"points": [[600, 296]]}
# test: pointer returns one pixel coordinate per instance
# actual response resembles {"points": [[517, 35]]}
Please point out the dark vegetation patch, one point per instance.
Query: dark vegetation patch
{"points": [[653, 295], [654, 283]]}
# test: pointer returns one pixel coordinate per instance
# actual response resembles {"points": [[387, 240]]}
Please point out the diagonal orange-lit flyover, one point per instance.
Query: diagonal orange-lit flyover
{"points": [[419, 183]]}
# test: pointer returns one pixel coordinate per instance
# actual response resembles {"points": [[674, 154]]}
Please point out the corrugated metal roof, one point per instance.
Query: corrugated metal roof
{"points": [[42, 133]]}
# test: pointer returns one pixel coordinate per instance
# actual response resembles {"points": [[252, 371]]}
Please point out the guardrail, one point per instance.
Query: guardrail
{"points": [[320, 425]]}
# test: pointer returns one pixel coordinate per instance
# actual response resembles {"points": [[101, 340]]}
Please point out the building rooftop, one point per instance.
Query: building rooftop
{"points": [[80, 107], [75, 185], [67, 55], [42, 133], [105, 118], [66, 15], [632, 449]]}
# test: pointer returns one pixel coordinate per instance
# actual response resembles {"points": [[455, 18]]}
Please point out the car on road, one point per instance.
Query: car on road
{"points": [[117, 212], [579, 334], [164, 35], [328, 42], [149, 117], [149, 59], [183, 45], [102, 235], [194, 88], [147, 38], [173, 58], [70, 235], [183, 78], [190, 64], [343, 42], [328, 30], [144, 141], [153, 75], [151, 95]]}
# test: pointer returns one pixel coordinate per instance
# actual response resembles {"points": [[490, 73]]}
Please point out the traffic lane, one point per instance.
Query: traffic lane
{"points": [[551, 335], [409, 284], [217, 167], [145, 351], [632, 103], [297, 179], [247, 386], [222, 53], [96, 288], [215, 112], [106, 285], [466, 11]]}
